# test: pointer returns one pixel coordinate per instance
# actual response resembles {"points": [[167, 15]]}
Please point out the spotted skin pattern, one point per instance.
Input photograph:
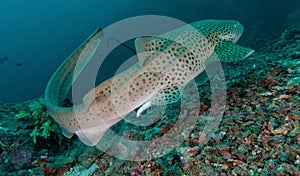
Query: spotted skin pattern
{"points": [[166, 64]]}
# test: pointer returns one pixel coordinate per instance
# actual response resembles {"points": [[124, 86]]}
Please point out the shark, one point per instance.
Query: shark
{"points": [[166, 63]]}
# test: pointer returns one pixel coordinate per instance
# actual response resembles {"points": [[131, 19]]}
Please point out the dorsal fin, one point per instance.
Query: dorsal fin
{"points": [[148, 46]]}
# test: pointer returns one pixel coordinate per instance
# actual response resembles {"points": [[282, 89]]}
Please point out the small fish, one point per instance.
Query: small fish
{"points": [[19, 64], [2, 60], [158, 78]]}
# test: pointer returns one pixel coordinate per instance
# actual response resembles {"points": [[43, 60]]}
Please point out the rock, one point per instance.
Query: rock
{"points": [[80, 171], [296, 55], [266, 94], [283, 97], [295, 80]]}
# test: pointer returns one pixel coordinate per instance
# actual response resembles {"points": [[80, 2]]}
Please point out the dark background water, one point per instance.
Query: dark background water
{"points": [[41, 34]]}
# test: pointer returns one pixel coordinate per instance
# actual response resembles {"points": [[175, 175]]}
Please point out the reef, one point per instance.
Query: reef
{"points": [[259, 133]]}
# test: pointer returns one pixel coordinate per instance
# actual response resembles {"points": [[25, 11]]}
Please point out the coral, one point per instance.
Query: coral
{"points": [[43, 129], [22, 115], [43, 123]]}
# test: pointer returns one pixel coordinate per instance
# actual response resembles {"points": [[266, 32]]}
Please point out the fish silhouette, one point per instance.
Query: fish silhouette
{"points": [[2, 60]]}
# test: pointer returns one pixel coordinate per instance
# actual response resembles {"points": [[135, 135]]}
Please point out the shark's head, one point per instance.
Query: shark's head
{"points": [[229, 30], [220, 30]]}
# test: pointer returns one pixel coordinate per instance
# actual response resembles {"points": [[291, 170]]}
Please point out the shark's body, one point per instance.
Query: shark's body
{"points": [[166, 64]]}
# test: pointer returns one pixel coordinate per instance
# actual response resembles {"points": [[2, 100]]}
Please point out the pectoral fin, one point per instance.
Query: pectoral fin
{"points": [[168, 95], [92, 135], [66, 133], [228, 51]]}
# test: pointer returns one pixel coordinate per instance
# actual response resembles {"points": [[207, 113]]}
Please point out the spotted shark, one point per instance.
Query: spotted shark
{"points": [[166, 63]]}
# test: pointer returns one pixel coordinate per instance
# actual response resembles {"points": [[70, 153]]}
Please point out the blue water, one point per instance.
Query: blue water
{"points": [[41, 34]]}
